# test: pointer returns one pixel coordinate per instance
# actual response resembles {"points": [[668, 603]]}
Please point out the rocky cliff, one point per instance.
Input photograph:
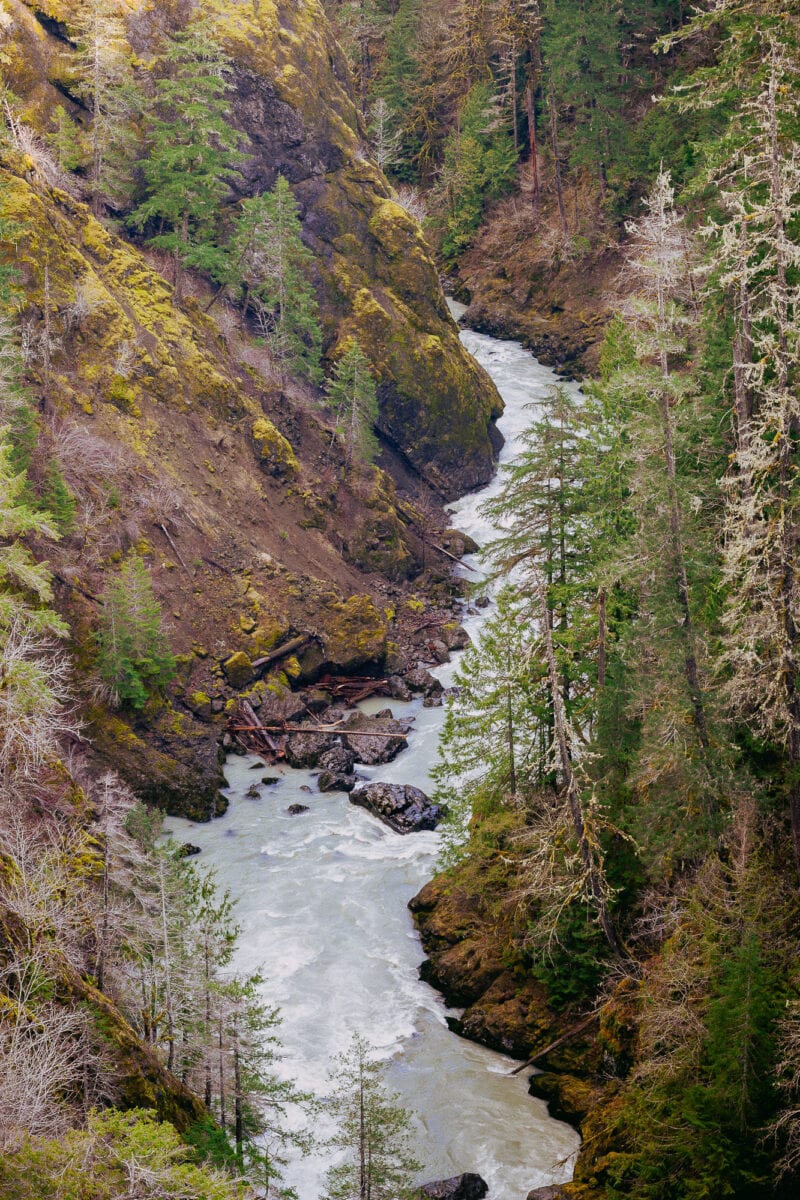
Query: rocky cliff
{"points": [[173, 431], [375, 276]]}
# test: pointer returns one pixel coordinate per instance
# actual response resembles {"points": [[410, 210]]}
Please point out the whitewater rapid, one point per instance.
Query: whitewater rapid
{"points": [[322, 903]]}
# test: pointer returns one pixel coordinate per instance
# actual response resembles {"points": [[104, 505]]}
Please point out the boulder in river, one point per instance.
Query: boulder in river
{"points": [[398, 688], [439, 651], [421, 680], [550, 1192], [336, 781], [338, 759], [376, 739], [305, 749], [404, 808], [460, 1187], [295, 809]]}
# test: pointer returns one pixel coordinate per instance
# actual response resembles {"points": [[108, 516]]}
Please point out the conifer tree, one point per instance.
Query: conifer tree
{"points": [[192, 151], [759, 252], [134, 652], [272, 267], [495, 742], [352, 396], [374, 1131], [58, 500], [478, 165], [107, 84]]}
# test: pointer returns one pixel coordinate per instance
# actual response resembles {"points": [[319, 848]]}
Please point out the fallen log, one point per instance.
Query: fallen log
{"points": [[454, 557], [293, 644], [314, 729], [565, 1037]]}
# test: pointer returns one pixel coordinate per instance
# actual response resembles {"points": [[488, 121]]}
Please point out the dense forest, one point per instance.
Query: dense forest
{"points": [[232, 405]]}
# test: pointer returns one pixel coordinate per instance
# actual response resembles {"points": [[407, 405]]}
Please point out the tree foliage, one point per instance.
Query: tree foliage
{"points": [[134, 654]]}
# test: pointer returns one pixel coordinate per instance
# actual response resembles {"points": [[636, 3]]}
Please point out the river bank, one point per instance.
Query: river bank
{"points": [[323, 905]]}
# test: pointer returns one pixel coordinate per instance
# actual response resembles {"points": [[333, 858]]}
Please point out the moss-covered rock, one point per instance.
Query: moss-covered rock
{"points": [[355, 635], [275, 453], [171, 763], [239, 670]]}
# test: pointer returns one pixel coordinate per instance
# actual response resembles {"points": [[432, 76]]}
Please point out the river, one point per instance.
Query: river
{"points": [[322, 903]]}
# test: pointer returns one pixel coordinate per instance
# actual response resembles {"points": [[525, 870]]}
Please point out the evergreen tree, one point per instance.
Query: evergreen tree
{"points": [[374, 1132], [58, 500], [758, 250], [192, 151], [271, 266], [66, 141], [134, 652], [478, 166], [495, 740], [107, 84], [353, 398]]}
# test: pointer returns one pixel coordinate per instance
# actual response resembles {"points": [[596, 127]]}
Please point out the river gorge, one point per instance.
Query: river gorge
{"points": [[322, 901]]}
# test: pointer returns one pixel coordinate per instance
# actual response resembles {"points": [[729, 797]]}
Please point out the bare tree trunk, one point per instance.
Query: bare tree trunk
{"points": [[690, 659], [167, 971], [48, 404], [529, 107], [238, 1107], [510, 740], [691, 670], [601, 638], [556, 154], [362, 1139]]}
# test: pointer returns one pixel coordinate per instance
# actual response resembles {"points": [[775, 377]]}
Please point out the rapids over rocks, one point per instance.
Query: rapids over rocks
{"points": [[322, 898]]}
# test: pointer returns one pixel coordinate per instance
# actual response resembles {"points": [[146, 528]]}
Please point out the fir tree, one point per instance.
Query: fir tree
{"points": [[478, 166], [353, 398], [58, 500], [134, 652], [107, 84], [192, 151], [272, 267], [495, 740], [374, 1132]]}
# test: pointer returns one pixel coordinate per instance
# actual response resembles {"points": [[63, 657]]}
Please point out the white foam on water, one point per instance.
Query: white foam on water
{"points": [[322, 901]]}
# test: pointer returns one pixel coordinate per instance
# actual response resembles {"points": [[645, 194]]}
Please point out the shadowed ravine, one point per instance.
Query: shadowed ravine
{"points": [[322, 902]]}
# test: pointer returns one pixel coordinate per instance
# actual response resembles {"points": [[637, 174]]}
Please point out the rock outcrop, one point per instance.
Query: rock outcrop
{"points": [[404, 808]]}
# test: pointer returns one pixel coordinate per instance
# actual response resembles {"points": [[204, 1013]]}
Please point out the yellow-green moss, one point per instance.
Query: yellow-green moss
{"points": [[275, 453], [238, 670], [355, 633]]}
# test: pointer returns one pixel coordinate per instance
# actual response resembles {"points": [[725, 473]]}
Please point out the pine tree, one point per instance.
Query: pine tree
{"points": [[352, 396], [270, 265], [134, 652], [192, 151], [374, 1131]]}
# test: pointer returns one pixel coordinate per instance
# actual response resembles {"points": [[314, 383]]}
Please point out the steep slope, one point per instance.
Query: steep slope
{"points": [[171, 444], [376, 278]]}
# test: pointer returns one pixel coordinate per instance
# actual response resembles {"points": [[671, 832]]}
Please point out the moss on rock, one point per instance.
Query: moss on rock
{"points": [[239, 670], [355, 635], [275, 453]]}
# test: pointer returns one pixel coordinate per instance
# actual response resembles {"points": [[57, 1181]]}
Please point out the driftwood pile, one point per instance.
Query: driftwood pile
{"points": [[268, 738]]}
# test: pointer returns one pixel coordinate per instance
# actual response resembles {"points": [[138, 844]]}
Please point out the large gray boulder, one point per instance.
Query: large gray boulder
{"points": [[376, 739], [404, 808], [460, 1187]]}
